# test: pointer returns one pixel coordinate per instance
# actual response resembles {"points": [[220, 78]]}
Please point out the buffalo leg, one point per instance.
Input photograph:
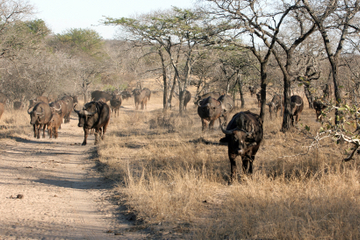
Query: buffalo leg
{"points": [[211, 125], [247, 162], [86, 133], [49, 131], [204, 124], [34, 126], [104, 130], [44, 127], [247, 166], [97, 133], [232, 158], [55, 130]]}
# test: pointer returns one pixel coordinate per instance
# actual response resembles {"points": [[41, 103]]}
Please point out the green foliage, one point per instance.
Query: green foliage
{"points": [[37, 27], [82, 41], [348, 126]]}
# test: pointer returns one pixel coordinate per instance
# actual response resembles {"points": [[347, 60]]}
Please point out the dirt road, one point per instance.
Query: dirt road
{"points": [[50, 189]]}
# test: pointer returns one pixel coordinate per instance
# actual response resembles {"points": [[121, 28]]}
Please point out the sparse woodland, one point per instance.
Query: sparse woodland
{"points": [[168, 173]]}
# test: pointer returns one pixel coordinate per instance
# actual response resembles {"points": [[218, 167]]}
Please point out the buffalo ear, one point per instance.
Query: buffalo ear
{"points": [[223, 140]]}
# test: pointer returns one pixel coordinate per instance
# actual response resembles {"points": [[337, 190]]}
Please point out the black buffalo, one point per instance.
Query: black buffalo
{"points": [[209, 110], [69, 102], [252, 90], [97, 95], [244, 134], [147, 93], [215, 95], [319, 106], [60, 107], [126, 94], [94, 115], [186, 96], [297, 105], [227, 105], [115, 104], [275, 105], [40, 117], [141, 97]]}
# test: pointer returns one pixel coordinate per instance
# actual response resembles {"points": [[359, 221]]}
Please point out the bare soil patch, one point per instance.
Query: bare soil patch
{"points": [[51, 189]]}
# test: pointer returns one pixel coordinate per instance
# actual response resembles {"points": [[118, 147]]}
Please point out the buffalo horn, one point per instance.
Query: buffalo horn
{"points": [[41, 113], [57, 109], [89, 113], [77, 111], [229, 132]]}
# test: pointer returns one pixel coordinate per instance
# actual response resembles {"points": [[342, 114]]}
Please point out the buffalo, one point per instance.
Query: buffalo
{"points": [[115, 104], [319, 106], [227, 105], [147, 93], [209, 109], [252, 90], [97, 95], [215, 95], [125, 94], [54, 124], [40, 117], [94, 115], [140, 98], [186, 96], [60, 107], [275, 105], [297, 105], [69, 102], [243, 136]]}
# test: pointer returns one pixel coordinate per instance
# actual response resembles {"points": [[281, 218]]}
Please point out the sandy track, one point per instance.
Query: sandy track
{"points": [[50, 189]]}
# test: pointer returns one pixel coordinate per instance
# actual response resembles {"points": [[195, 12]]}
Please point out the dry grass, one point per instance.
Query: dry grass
{"points": [[167, 175], [14, 123]]}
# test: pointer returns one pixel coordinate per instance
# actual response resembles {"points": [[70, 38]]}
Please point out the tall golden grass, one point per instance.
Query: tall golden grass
{"points": [[167, 175], [14, 123], [171, 179]]}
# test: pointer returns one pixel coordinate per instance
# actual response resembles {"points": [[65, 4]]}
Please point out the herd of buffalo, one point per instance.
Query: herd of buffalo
{"points": [[243, 133]]}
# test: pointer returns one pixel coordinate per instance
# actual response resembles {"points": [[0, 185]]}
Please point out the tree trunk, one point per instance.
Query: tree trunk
{"points": [[181, 102], [165, 93], [308, 95], [336, 91], [286, 125], [242, 101], [172, 91], [263, 90]]}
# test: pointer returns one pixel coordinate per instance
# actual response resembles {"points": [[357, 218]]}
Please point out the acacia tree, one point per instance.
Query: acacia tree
{"points": [[149, 30], [24, 73], [335, 20], [85, 45], [249, 17], [178, 33], [234, 63]]}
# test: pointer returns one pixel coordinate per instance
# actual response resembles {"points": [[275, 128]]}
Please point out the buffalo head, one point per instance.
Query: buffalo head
{"points": [[85, 114]]}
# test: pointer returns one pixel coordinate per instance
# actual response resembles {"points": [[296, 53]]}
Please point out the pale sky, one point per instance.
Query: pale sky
{"points": [[62, 15]]}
